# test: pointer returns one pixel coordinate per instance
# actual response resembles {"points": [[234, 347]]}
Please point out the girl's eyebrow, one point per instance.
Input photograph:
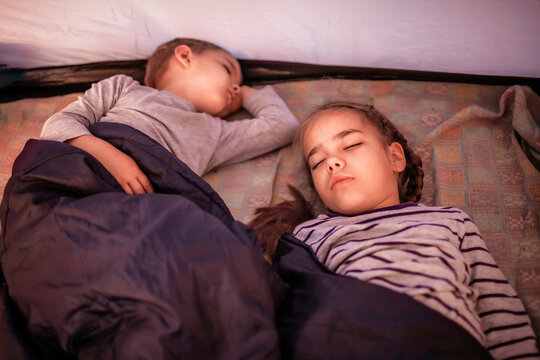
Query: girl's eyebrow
{"points": [[339, 135], [312, 152], [344, 133]]}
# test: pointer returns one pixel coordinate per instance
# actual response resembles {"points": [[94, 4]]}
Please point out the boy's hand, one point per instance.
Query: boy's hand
{"points": [[128, 174], [122, 167], [238, 100], [245, 91]]}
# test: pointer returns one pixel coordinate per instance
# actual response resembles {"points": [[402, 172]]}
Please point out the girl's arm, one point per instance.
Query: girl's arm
{"points": [[71, 125], [503, 317]]}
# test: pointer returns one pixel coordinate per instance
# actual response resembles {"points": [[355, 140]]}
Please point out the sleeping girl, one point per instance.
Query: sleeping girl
{"points": [[370, 181]]}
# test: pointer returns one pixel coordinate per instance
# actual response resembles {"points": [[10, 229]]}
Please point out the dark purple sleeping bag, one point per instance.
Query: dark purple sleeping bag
{"points": [[101, 274]]}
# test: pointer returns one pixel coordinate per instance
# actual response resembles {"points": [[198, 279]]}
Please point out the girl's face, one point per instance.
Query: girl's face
{"points": [[353, 171]]}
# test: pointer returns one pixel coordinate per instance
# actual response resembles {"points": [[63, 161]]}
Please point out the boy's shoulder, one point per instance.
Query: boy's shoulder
{"points": [[118, 80], [121, 78]]}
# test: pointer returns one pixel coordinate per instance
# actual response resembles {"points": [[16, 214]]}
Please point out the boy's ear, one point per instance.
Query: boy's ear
{"points": [[183, 55], [397, 157]]}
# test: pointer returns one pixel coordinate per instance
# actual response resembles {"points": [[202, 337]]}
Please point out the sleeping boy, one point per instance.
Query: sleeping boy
{"points": [[190, 86]]}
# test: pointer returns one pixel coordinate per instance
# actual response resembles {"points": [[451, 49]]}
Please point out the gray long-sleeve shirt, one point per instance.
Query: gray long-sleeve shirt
{"points": [[200, 140]]}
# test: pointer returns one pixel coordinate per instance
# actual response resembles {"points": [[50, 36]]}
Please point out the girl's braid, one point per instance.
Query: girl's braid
{"points": [[412, 178]]}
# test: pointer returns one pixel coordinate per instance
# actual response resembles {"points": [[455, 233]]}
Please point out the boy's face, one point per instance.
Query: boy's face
{"points": [[353, 172], [214, 83]]}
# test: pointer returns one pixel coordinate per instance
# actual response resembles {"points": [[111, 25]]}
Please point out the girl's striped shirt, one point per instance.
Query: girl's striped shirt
{"points": [[435, 255]]}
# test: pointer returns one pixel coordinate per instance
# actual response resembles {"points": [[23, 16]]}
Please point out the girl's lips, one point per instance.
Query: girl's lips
{"points": [[339, 179]]}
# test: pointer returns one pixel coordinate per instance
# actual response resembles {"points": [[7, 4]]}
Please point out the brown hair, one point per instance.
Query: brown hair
{"points": [[158, 60], [272, 221]]}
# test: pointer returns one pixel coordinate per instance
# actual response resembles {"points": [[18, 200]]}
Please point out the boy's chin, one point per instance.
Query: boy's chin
{"points": [[236, 104], [222, 113], [212, 111], [224, 107], [227, 111]]}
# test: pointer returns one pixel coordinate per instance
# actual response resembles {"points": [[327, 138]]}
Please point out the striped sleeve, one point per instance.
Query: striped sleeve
{"points": [[503, 317]]}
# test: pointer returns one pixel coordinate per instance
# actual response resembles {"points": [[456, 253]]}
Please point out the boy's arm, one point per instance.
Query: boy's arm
{"points": [[503, 317], [71, 125], [75, 119], [273, 126], [122, 167]]}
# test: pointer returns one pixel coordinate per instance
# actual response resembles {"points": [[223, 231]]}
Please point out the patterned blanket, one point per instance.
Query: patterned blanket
{"points": [[479, 145]]}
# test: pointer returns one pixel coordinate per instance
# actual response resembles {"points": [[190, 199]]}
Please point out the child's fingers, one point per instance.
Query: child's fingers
{"points": [[236, 103], [127, 188], [146, 185], [140, 185], [135, 188], [245, 91]]}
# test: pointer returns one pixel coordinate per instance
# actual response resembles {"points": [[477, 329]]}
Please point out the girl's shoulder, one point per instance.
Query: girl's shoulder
{"points": [[396, 216], [444, 209], [410, 210]]}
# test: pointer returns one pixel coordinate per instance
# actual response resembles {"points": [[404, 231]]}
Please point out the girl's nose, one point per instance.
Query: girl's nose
{"points": [[335, 163]]}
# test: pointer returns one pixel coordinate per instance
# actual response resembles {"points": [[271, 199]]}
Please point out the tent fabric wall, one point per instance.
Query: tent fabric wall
{"points": [[493, 38], [485, 37]]}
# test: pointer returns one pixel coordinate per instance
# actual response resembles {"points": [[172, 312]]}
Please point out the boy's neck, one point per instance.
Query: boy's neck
{"points": [[164, 77]]}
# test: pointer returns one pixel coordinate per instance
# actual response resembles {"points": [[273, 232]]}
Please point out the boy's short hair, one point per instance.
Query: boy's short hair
{"points": [[157, 61]]}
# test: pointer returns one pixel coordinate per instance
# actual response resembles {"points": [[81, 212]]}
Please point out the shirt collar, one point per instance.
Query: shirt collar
{"points": [[387, 208]]}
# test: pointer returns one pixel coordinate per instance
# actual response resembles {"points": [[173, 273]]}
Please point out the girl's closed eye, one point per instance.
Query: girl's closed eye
{"points": [[353, 145], [227, 69], [317, 164]]}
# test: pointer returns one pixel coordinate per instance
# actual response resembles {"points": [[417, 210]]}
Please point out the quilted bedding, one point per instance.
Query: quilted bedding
{"points": [[480, 147]]}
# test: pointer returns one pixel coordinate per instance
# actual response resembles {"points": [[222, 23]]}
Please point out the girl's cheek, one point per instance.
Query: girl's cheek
{"points": [[319, 183]]}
